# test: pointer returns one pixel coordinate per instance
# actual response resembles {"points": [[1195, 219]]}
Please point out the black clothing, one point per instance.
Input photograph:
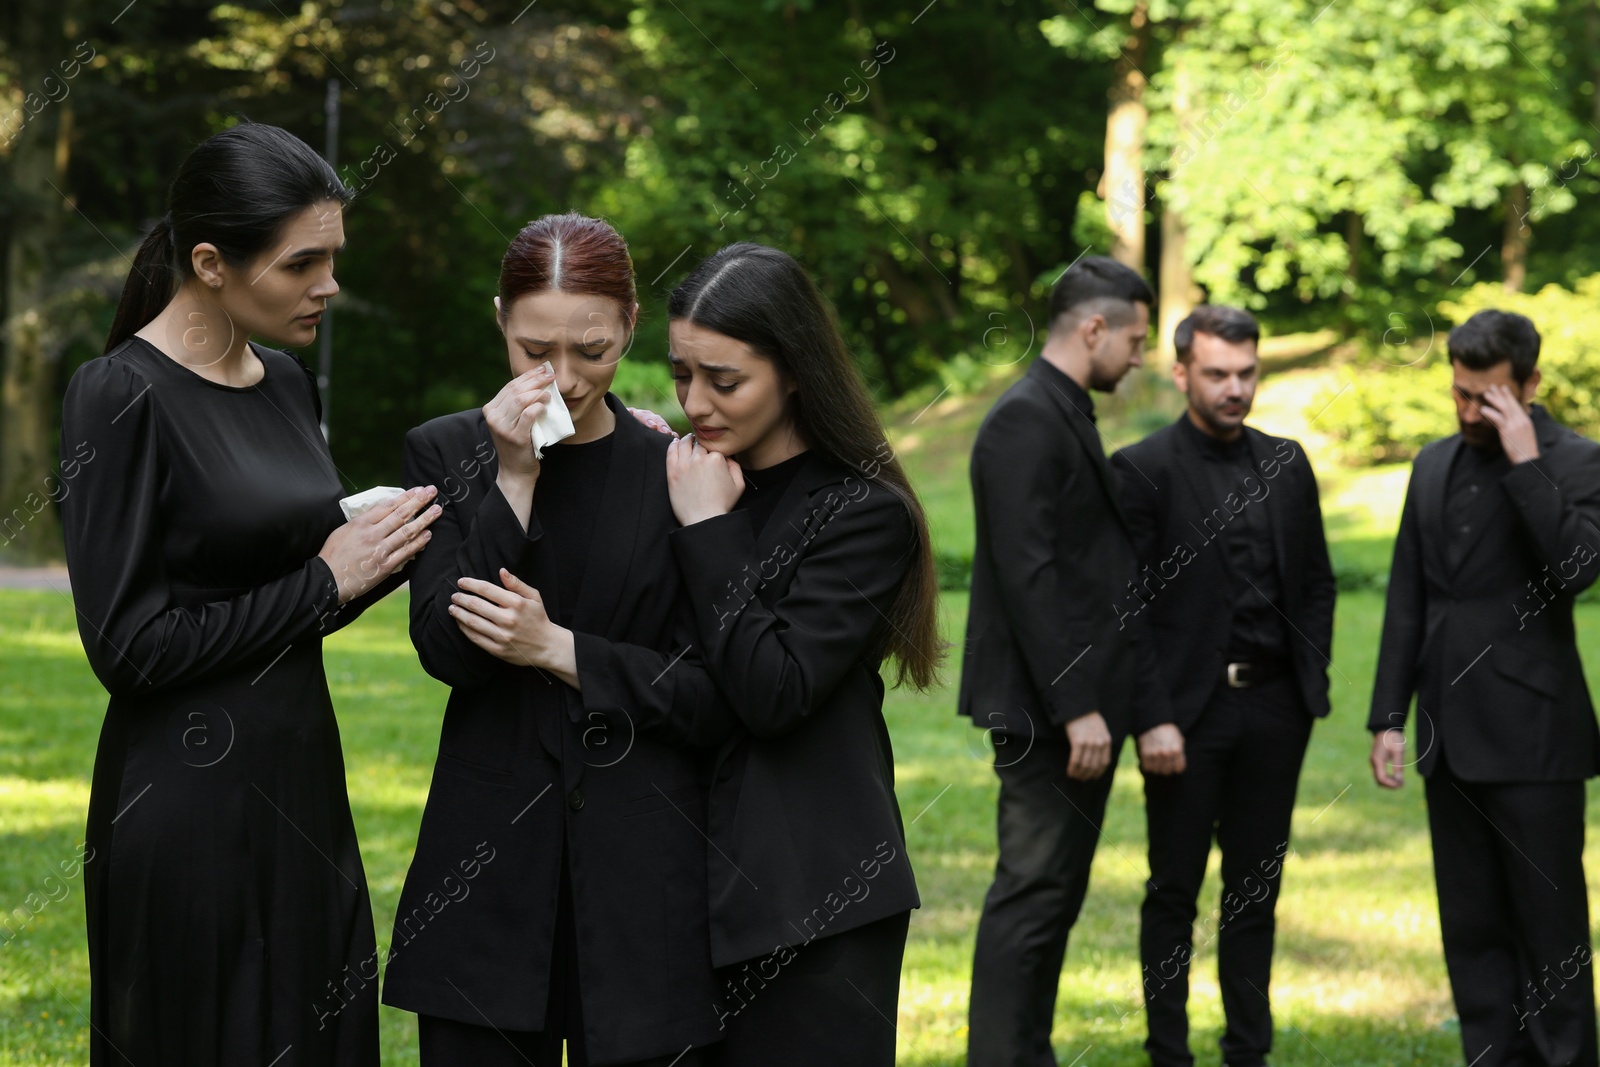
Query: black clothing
{"points": [[476, 926], [1044, 642], [1505, 730], [1044, 646], [805, 830], [764, 489], [1469, 497], [1183, 582], [1048, 826], [224, 890], [570, 491], [1514, 915], [829, 1001], [1487, 646], [1256, 628], [1231, 547], [1243, 758], [571, 486], [793, 622], [448, 1043], [1076, 395]]}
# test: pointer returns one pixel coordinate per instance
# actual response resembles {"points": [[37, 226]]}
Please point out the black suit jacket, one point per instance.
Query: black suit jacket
{"points": [[1182, 581], [1489, 648], [473, 933], [806, 834], [1044, 643]]}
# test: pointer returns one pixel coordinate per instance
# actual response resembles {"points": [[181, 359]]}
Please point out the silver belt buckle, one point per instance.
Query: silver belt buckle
{"points": [[1234, 681]]}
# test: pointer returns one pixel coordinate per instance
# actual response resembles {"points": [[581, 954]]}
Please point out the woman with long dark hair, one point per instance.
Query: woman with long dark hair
{"points": [[558, 893], [806, 558], [209, 557]]}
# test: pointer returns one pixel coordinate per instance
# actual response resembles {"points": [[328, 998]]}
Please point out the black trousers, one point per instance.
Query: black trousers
{"points": [[1514, 915], [1243, 759], [1048, 826], [449, 1043], [829, 1001]]}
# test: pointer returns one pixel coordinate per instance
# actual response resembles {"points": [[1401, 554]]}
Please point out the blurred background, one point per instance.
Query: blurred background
{"points": [[1349, 170], [1360, 174]]}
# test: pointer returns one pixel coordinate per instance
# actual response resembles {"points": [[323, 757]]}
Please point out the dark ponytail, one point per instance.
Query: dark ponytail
{"points": [[235, 190], [150, 285], [761, 296]]}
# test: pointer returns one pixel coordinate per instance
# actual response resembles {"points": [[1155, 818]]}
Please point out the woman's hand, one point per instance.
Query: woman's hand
{"points": [[652, 420], [372, 546], [701, 484], [511, 415], [511, 623]]}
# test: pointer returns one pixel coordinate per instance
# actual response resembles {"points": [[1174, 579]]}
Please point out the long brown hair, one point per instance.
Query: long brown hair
{"points": [[762, 297]]}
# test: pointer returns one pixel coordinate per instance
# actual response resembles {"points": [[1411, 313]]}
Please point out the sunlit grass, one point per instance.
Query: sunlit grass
{"points": [[1358, 977]]}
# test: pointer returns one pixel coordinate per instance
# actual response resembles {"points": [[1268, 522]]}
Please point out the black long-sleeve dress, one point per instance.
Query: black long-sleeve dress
{"points": [[227, 907]]}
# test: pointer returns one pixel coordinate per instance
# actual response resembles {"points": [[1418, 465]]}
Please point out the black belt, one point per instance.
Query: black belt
{"points": [[1244, 673]]}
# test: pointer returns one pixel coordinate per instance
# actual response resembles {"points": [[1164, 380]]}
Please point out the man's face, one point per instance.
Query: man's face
{"points": [[1115, 350], [1219, 380], [1469, 387]]}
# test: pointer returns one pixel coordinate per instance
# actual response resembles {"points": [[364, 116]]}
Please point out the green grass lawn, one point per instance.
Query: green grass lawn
{"points": [[1359, 978]]}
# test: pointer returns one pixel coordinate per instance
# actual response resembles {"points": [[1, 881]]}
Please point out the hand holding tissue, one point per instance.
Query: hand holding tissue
{"points": [[363, 502], [555, 422]]}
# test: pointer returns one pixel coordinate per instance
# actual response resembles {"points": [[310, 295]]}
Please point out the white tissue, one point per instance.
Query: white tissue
{"points": [[555, 423], [364, 502]]}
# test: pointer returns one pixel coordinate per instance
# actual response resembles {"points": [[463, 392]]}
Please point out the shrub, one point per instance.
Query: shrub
{"points": [[1383, 409]]}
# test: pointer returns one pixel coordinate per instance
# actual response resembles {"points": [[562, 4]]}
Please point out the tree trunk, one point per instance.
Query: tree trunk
{"points": [[1354, 233], [1514, 246], [1592, 24], [29, 486], [1178, 293], [1122, 185]]}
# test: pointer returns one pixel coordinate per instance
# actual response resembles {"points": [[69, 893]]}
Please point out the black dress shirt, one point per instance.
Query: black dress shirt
{"points": [[1470, 494], [1254, 591]]}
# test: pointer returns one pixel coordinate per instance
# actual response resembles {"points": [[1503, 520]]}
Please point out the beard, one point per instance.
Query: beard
{"points": [[1484, 437], [1219, 421]]}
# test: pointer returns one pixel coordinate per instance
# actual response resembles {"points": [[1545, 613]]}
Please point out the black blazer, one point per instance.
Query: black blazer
{"points": [[1044, 642], [1182, 582], [473, 934], [1489, 648], [806, 834]]}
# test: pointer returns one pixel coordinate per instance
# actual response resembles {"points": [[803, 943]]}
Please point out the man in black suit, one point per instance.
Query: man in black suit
{"points": [[1235, 585], [1499, 532], [1048, 671]]}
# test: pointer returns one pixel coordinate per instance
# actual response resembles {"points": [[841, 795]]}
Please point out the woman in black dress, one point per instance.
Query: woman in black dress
{"points": [[208, 556], [805, 555], [558, 891]]}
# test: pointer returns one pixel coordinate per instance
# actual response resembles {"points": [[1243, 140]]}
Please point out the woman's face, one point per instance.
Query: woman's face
{"points": [[282, 292], [737, 400], [581, 335]]}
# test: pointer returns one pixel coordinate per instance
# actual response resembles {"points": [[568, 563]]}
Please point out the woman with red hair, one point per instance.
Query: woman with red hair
{"points": [[558, 892]]}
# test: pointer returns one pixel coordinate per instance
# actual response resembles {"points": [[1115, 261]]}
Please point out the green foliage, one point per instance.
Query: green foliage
{"points": [[925, 170], [1351, 157], [1383, 412], [1569, 352], [1335, 164], [1397, 399]]}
